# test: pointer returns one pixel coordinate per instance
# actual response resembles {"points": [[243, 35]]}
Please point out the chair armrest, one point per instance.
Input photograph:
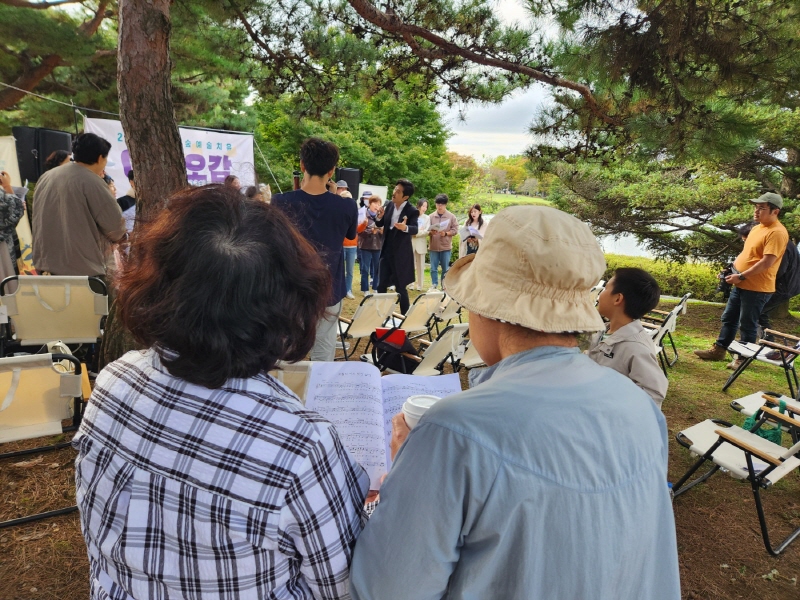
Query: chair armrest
{"points": [[785, 419], [346, 320], [732, 439], [776, 346], [783, 335]]}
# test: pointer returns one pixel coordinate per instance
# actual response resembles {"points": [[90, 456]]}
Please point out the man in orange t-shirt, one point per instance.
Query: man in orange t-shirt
{"points": [[753, 278]]}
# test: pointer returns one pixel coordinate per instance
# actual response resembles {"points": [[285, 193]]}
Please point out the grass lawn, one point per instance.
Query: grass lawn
{"points": [[719, 542]]}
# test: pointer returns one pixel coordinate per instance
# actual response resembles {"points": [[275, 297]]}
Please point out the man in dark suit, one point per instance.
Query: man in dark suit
{"points": [[399, 220]]}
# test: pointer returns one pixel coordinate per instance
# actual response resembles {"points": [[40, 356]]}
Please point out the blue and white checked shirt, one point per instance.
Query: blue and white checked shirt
{"points": [[189, 492]]}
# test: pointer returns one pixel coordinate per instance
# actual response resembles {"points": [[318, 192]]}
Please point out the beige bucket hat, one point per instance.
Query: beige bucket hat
{"points": [[535, 268]]}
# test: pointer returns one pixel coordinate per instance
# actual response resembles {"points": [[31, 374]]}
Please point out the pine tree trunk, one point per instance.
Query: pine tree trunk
{"points": [[148, 120]]}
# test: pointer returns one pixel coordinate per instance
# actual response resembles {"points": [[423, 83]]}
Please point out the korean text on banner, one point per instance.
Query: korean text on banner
{"points": [[210, 155]]}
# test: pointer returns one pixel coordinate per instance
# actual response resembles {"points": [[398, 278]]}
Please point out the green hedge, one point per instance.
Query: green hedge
{"points": [[677, 279]]}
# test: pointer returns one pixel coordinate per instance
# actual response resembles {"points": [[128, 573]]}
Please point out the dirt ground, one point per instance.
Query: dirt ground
{"points": [[719, 541]]}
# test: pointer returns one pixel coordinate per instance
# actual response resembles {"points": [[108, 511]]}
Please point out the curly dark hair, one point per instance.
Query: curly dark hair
{"points": [[222, 287]]}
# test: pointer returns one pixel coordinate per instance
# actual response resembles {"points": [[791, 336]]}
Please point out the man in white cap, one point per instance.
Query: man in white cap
{"points": [[548, 478], [753, 278]]}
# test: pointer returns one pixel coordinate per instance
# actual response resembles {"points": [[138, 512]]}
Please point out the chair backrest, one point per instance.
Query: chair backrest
{"points": [[294, 376], [444, 346], [419, 314], [448, 309], [666, 327], [47, 308], [597, 290], [34, 397], [471, 358], [681, 306], [371, 314]]}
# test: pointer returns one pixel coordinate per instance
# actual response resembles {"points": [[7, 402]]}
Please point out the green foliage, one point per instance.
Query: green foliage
{"points": [[388, 137], [676, 212]]}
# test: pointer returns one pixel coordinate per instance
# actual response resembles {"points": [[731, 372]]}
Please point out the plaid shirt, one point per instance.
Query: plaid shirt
{"points": [[190, 492]]}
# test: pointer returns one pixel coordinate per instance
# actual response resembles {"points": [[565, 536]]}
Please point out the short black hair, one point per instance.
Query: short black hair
{"points": [[442, 199], [318, 156], [130, 175], [88, 148], [408, 187], [639, 288], [222, 287], [55, 159]]}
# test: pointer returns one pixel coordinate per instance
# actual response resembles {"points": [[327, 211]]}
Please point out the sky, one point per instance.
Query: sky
{"points": [[496, 129]]}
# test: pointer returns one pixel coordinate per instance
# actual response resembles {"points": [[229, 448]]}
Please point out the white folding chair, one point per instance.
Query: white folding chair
{"points": [[372, 313], [448, 310], [744, 455], [48, 308], [659, 333], [421, 315], [447, 346], [758, 351], [471, 358], [294, 376], [597, 290], [36, 397]]}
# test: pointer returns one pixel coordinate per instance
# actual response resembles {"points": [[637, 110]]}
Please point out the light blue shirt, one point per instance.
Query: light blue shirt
{"points": [[547, 480]]}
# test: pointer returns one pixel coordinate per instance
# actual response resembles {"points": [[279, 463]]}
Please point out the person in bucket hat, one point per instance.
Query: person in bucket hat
{"points": [[548, 477]]}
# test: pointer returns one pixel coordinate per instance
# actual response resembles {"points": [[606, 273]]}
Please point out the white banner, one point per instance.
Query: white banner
{"points": [[8, 163], [210, 155]]}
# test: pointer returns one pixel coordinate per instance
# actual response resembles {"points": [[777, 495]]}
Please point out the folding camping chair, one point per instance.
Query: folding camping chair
{"points": [[449, 345], [36, 398], [372, 313], [294, 376], [597, 290], [658, 317], [744, 455], [471, 358], [752, 403], [421, 315], [659, 333], [48, 308], [448, 310], [758, 352]]}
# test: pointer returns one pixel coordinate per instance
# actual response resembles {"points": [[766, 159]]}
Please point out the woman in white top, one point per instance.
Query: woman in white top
{"points": [[469, 243], [420, 243]]}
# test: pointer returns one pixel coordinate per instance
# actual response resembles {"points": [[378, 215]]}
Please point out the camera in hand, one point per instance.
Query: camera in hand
{"points": [[723, 286]]}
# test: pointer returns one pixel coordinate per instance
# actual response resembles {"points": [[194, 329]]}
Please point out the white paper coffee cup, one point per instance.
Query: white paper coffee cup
{"points": [[416, 406]]}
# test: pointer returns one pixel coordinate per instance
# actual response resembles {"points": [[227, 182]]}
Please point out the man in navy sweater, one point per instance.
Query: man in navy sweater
{"points": [[324, 219]]}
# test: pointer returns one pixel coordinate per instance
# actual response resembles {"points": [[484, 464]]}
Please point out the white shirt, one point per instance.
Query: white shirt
{"points": [[396, 213]]}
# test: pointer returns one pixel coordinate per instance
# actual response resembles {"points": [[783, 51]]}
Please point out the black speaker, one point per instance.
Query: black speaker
{"points": [[352, 177], [34, 145], [27, 152]]}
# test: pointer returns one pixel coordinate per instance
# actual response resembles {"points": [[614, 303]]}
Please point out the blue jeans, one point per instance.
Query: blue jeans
{"points": [[349, 265], [370, 261], [441, 257], [742, 312]]}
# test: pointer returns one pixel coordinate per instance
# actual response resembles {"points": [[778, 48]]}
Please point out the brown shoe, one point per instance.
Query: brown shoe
{"points": [[735, 364], [713, 353]]}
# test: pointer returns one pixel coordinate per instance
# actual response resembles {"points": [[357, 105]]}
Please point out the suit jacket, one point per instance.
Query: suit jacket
{"points": [[397, 248]]}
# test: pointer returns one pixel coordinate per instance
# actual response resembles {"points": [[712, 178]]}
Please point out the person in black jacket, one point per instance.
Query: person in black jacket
{"points": [[399, 222]]}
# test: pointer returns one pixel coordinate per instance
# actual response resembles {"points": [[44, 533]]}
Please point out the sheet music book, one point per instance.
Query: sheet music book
{"points": [[360, 403]]}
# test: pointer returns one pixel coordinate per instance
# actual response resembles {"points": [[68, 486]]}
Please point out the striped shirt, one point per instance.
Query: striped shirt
{"points": [[190, 492]]}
